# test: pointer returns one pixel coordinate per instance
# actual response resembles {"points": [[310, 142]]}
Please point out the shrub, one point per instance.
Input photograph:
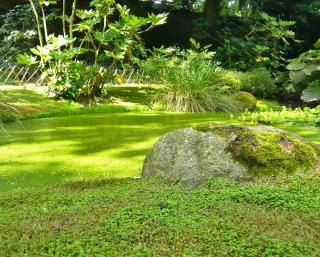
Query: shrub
{"points": [[152, 69], [229, 80], [190, 85], [245, 100], [75, 80], [259, 82]]}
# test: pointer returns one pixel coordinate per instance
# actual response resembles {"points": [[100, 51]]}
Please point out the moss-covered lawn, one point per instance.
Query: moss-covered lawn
{"points": [[17, 102], [53, 150], [96, 208]]}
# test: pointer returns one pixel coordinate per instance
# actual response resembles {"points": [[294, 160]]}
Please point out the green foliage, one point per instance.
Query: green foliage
{"points": [[152, 69], [118, 39], [17, 33], [107, 39], [264, 44], [156, 218], [305, 73], [229, 80], [295, 116], [188, 82], [259, 82]]}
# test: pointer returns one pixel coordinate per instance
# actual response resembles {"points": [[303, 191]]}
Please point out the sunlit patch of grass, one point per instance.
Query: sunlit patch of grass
{"points": [[29, 104], [267, 105], [55, 150]]}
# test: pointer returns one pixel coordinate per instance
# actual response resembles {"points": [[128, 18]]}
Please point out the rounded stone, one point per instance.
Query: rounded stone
{"points": [[237, 152]]}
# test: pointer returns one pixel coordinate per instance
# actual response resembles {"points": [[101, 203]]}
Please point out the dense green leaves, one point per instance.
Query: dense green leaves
{"points": [[305, 73]]}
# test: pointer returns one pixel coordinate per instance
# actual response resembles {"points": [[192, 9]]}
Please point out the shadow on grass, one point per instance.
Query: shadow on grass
{"points": [[85, 146], [92, 146], [38, 175], [134, 94]]}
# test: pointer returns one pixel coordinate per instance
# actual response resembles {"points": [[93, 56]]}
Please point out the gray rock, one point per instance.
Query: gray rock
{"points": [[191, 156], [195, 155]]}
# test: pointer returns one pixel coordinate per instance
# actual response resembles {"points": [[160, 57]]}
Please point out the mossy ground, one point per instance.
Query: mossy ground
{"points": [[129, 217], [133, 217], [17, 102]]}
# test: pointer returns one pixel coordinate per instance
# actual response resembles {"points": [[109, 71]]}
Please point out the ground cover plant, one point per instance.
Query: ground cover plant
{"points": [[285, 115], [97, 82], [128, 217]]}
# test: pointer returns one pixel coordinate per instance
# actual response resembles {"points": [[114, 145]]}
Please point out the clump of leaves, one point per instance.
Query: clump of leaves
{"points": [[305, 73], [265, 43]]}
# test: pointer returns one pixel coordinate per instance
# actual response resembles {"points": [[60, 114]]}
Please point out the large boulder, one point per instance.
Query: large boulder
{"points": [[237, 152]]}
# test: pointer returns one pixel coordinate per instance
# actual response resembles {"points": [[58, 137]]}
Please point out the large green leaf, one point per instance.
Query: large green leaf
{"points": [[295, 66], [297, 76], [311, 93]]}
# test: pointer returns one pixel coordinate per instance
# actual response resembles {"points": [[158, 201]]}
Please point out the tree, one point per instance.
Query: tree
{"points": [[212, 9]]}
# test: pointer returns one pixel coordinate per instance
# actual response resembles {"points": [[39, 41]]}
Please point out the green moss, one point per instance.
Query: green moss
{"points": [[223, 131], [267, 151], [273, 153], [245, 100]]}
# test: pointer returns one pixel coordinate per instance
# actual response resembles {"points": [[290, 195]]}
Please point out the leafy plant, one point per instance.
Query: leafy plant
{"points": [[265, 43], [109, 33], [305, 73], [296, 116]]}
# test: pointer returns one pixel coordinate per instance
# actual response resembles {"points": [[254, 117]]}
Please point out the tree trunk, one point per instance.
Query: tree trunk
{"points": [[37, 21], [212, 11], [44, 20], [63, 18], [74, 7]]}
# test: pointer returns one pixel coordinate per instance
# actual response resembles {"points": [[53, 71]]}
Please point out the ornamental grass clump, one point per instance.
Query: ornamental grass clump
{"points": [[189, 84]]}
